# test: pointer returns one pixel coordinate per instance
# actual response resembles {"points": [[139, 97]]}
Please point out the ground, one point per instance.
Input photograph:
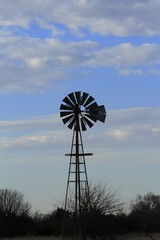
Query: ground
{"points": [[155, 236]]}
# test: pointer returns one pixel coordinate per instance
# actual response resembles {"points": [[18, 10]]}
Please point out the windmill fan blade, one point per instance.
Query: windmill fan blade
{"points": [[63, 114], [93, 118], [84, 97], [67, 119], [72, 97], [78, 97], [90, 124], [83, 125], [72, 123], [68, 101], [65, 107], [92, 106], [77, 127], [89, 100]]}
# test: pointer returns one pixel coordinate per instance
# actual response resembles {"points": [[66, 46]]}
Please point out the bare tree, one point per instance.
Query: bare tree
{"points": [[102, 198], [12, 203], [145, 213], [146, 203], [99, 205]]}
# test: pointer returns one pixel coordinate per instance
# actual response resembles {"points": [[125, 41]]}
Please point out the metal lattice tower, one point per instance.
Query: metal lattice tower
{"points": [[79, 111]]}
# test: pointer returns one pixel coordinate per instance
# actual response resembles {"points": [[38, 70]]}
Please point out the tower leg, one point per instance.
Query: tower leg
{"points": [[77, 185], [67, 188]]}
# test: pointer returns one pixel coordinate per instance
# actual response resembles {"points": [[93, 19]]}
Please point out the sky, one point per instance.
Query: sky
{"points": [[109, 49]]}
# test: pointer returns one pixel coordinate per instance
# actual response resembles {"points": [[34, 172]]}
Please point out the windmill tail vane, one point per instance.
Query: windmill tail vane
{"points": [[79, 111]]}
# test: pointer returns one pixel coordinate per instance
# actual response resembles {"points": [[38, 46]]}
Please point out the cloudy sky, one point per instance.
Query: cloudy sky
{"points": [[110, 49]]}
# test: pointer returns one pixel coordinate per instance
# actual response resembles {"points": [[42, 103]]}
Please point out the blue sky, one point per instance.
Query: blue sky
{"points": [[108, 49]]}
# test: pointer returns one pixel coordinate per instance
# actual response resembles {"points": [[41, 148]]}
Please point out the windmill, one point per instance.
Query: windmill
{"points": [[79, 111]]}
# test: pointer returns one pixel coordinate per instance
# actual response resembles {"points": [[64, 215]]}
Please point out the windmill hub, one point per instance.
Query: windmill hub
{"points": [[77, 110]]}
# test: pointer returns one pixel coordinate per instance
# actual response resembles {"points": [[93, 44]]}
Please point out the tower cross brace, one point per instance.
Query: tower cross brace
{"points": [[78, 182]]}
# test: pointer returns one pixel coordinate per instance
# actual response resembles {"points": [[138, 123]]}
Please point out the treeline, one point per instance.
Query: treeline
{"points": [[103, 217]]}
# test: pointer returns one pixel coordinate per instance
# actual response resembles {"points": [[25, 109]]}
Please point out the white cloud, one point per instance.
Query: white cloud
{"points": [[55, 31], [127, 54], [127, 72], [31, 124], [37, 141], [139, 127], [28, 64], [154, 71], [31, 64], [33, 133], [104, 17]]}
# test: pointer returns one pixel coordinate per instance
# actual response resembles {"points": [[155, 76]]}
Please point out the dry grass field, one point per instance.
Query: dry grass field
{"points": [[139, 237], [124, 237]]}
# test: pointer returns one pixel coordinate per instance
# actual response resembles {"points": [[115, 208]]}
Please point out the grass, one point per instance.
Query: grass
{"points": [[155, 236], [33, 238], [141, 236]]}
